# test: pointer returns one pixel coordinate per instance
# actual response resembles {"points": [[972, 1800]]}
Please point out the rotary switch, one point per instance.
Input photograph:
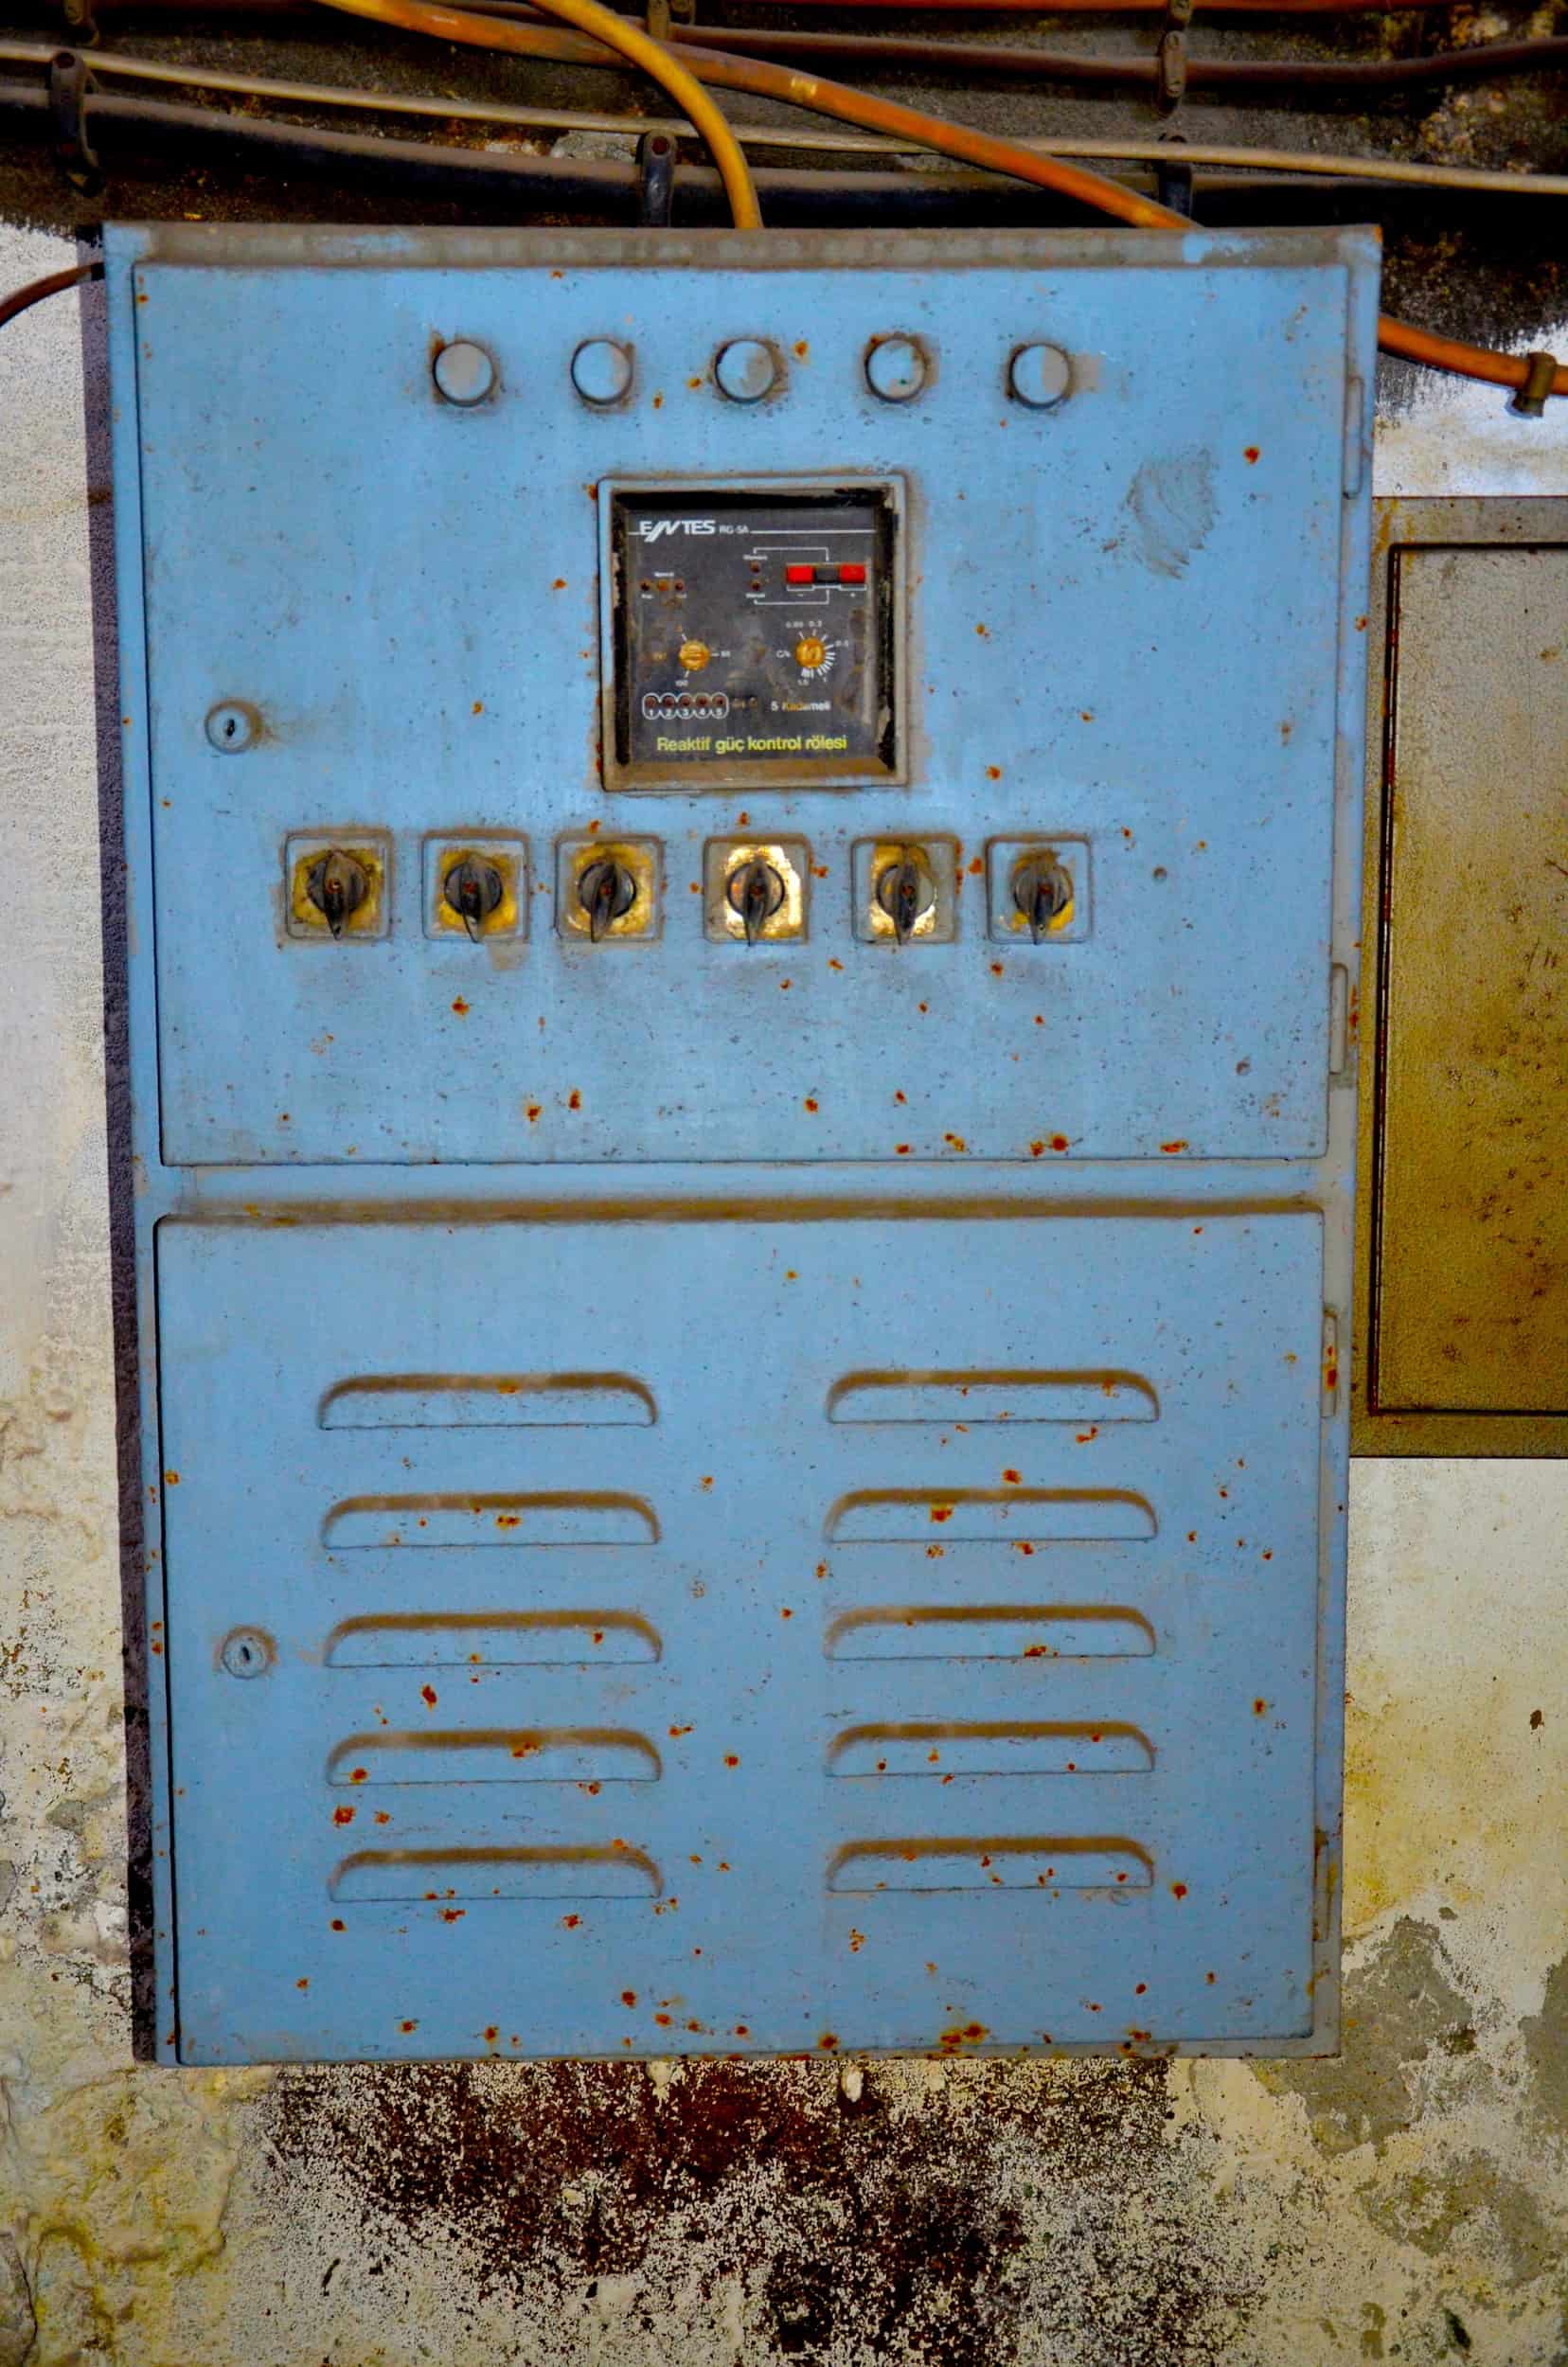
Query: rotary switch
{"points": [[606, 891], [473, 889], [756, 892], [1041, 890], [337, 885]]}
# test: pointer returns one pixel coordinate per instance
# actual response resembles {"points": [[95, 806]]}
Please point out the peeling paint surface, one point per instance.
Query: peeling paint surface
{"points": [[1405, 2201]]}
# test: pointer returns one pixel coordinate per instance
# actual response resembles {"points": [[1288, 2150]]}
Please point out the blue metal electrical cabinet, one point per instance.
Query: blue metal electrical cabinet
{"points": [[742, 876]]}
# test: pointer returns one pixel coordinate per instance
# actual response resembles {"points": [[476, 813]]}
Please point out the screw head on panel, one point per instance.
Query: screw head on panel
{"points": [[745, 369], [896, 368], [246, 1652], [464, 373], [1040, 376], [601, 371]]}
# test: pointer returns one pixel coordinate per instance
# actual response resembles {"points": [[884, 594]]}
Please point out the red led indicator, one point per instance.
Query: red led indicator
{"points": [[853, 573], [801, 574]]}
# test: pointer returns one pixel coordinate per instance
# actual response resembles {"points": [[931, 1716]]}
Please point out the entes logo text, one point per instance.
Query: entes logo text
{"points": [[651, 528]]}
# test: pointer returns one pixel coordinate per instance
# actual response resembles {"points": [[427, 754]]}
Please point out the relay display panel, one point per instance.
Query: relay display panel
{"points": [[753, 634]]}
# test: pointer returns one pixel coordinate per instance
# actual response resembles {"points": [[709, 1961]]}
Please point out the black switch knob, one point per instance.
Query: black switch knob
{"points": [[1041, 890], [606, 890], [904, 891], [756, 892], [473, 888], [337, 886]]}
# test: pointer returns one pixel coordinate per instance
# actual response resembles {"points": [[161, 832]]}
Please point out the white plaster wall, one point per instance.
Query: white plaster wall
{"points": [[1405, 2202]]}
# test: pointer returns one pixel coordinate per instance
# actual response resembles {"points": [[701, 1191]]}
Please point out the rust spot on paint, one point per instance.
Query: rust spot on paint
{"points": [[343, 1816], [1013, 1479], [994, 772], [569, 1923], [1170, 1149], [574, 1099], [427, 1695], [810, 1105], [954, 1142], [533, 1110], [358, 1775], [732, 1758], [900, 1151], [453, 1914], [802, 347], [1252, 455], [171, 1479], [406, 2026], [384, 1816], [1259, 1707], [1178, 1889], [941, 1512], [459, 1006], [629, 1997]]}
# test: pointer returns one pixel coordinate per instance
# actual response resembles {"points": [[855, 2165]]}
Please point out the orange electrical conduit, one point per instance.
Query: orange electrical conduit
{"points": [[639, 48], [810, 91], [1133, 8]]}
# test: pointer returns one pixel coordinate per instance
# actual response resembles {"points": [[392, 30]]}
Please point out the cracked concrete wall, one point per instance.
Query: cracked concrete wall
{"points": [[1403, 2202]]}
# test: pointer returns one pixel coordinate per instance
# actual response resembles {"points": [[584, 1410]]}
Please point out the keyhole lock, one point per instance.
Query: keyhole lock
{"points": [[606, 891], [473, 890], [1041, 891], [246, 1652], [756, 892], [905, 891], [337, 885]]}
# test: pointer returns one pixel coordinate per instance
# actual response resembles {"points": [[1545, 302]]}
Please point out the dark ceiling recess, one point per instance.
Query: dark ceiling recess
{"points": [[1416, 86]]}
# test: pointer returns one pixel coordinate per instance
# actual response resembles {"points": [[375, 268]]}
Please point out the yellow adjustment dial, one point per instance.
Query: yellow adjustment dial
{"points": [[811, 652], [695, 655]]}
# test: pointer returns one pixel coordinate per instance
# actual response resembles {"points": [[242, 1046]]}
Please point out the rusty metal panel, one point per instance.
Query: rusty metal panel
{"points": [[719, 1698], [1063, 591], [1466, 1349], [742, 1397]]}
